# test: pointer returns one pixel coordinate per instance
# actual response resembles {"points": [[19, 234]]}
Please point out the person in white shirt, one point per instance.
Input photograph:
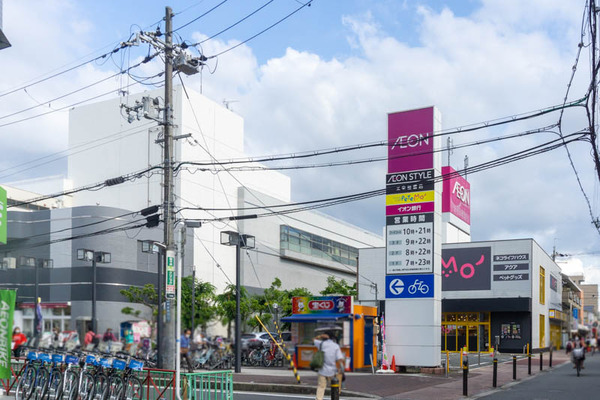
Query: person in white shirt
{"points": [[333, 363]]}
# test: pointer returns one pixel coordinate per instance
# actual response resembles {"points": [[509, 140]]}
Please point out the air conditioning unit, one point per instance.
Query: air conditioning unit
{"points": [[9, 263]]}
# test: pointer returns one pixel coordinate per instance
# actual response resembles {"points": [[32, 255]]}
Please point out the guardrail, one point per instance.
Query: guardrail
{"points": [[160, 383], [217, 385]]}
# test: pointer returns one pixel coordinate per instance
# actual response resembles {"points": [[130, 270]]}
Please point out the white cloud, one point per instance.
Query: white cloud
{"points": [[506, 57]]}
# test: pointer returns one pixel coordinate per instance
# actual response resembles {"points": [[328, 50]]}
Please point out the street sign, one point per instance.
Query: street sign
{"points": [[170, 275], [408, 286]]}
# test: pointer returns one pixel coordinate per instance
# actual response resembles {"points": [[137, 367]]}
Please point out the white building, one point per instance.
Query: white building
{"points": [[302, 249]]}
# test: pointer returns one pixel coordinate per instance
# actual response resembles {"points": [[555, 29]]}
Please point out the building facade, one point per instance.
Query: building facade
{"points": [[40, 260], [302, 249]]}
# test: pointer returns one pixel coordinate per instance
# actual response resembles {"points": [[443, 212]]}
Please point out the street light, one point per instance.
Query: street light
{"points": [[231, 238], [151, 246], [180, 244], [94, 257]]}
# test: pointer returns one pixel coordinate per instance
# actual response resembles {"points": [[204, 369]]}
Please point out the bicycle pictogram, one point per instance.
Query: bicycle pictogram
{"points": [[418, 285]]}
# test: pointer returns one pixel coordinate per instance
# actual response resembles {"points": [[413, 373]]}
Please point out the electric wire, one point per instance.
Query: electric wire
{"points": [[315, 204], [77, 91], [232, 25], [261, 32], [93, 187], [200, 16], [120, 136]]}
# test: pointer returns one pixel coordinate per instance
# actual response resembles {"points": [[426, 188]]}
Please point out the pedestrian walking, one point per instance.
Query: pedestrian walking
{"points": [[185, 343], [333, 361]]}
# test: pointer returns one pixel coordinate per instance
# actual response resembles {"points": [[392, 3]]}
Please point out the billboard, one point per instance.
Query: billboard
{"points": [[410, 140], [410, 191], [466, 269], [322, 305], [408, 286], [503, 268], [456, 195]]}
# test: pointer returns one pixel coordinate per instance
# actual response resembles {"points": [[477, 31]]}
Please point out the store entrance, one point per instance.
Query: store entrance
{"points": [[474, 335]]}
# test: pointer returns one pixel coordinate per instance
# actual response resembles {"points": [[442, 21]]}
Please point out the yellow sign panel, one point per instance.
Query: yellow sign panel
{"points": [[408, 198]]}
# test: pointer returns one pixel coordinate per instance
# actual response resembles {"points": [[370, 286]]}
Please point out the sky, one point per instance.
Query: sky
{"points": [[327, 76]]}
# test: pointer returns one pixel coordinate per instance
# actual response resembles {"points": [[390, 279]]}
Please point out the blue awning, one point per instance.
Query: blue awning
{"points": [[314, 317]]}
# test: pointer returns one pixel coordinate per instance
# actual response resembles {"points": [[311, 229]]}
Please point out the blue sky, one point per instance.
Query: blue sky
{"points": [[328, 76]]}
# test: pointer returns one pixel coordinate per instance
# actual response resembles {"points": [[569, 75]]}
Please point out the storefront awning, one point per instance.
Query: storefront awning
{"points": [[314, 317]]}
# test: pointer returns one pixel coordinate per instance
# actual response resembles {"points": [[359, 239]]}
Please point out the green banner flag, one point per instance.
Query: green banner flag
{"points": [[7, 309]]}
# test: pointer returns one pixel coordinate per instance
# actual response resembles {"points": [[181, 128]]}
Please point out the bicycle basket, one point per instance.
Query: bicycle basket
{"points": [[136, 365], [105, 362], [118, 364], [71, 359], [57, 358], [32, 355], [91, 360], [44, 357]]}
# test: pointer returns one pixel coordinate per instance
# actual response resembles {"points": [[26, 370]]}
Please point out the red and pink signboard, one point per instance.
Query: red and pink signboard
{"points": [[456, 195], [410, 138]]}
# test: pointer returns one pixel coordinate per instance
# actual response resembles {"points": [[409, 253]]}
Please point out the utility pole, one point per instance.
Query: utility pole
{"points": [[176, 58], [169, 335]]}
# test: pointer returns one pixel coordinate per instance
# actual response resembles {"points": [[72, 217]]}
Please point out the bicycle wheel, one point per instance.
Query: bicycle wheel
{"points": [[100, 386], [55, 385], [267, 359], [70, 380], [133, 389], [87, 386], [26, 384], [41, 383], [115, 387]]}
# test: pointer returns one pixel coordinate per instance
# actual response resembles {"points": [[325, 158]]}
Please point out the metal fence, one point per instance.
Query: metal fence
{"points": [[160, 383], [207, 385]]}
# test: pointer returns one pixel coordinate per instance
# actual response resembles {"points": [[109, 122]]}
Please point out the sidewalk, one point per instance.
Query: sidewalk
{"points": [[399, 386]]}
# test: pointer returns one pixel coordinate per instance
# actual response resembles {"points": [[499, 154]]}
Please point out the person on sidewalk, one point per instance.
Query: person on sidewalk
{"points": [[333, 363], [185, 348], [578, 343]]}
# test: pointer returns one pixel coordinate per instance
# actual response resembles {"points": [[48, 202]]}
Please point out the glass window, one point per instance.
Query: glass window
{"points": [[542, 285], [316, 246]]}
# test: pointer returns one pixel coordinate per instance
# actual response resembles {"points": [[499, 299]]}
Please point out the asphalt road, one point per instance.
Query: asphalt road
{"points": [[559, 384]]}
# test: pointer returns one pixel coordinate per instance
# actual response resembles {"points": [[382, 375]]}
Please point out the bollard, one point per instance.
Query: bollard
{"points": [[550, 357], [541, 361], [514, 368], [529, 364], [465, 380], [495, 373], [335, 389]]}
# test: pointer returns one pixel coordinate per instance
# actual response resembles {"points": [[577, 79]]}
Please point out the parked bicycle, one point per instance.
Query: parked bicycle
{"points": [[26, 382]]}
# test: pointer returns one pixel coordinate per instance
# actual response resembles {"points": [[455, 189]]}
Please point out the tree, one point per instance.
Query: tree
{"points": [[263, 304], [146, 296], [205, 308], [340, 287], [226, 306]]}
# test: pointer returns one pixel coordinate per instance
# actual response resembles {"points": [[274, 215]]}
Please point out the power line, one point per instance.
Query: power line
{"points": [[307, 4], [311, 205], [136, 130], [76, 91], [360, 161], [95, 186], [451, 131], [200, 16], [233, 25]]}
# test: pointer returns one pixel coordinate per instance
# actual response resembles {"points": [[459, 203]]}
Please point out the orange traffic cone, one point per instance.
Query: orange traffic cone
{"points": [[393, 366]]}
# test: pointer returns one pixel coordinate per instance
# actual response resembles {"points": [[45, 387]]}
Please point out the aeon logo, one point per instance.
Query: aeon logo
{"points": [[413, 140], [461, 193], [320, 305]]}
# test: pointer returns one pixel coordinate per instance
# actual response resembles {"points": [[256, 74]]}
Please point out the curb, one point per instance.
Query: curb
{"points": [[292, 389]]}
